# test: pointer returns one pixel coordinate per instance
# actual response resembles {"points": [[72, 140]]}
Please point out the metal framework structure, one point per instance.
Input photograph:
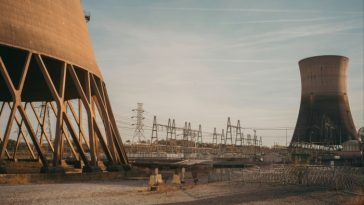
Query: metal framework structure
{"points": [[239, 135], [190, 137], [46, 59], [199, 135], [214, 137], [171, 130], [222, 137], [139, 132], [93, 98], [154, 138], [229, 134]]}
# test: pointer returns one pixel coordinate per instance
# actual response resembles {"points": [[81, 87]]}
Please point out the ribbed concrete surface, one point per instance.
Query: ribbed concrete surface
{"points": [[324, 102], [50, 27]]}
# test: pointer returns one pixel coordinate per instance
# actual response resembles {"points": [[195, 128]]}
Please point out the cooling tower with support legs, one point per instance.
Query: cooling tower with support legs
{"points": [[48, 70], [324, 117]]}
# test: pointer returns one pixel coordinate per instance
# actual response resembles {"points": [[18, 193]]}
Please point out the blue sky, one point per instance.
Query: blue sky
{"points": [[204, 60]]}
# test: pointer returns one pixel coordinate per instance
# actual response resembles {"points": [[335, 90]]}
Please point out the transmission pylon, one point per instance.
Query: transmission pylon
{"points": [[260, 141], [169, 130], [249, 138], [199, 135], [185, 133], [45, 121], [229, 135], [193, 138], [173, 129], [139, 132], [238, 136], [154, 138], [214, 137], [222, 137], [189, 133], [255, 138]]}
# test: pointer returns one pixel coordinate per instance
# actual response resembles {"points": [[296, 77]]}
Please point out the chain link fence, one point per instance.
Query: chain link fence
{"points": [[350, 179]]}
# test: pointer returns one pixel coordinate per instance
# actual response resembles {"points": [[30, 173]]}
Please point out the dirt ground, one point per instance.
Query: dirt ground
{"points": [[136, 192]]}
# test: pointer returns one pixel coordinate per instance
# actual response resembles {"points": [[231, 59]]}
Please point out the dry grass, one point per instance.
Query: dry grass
{"points": [[356, 200]]}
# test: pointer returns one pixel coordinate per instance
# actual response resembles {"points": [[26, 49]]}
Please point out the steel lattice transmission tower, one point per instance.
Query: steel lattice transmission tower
{"points": [[139, 132]]}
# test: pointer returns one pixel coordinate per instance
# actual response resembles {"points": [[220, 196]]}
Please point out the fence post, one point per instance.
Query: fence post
{"points": [[335, 180], [242, 175], [260, 177], [307, 173]]}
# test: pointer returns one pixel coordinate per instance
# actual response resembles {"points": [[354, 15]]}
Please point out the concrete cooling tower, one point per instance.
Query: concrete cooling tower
{"points": [[47, 62], [324, 117]]}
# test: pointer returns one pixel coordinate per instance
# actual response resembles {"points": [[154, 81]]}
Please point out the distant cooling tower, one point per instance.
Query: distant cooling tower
{"points": [[47, 65], [324, 117]]}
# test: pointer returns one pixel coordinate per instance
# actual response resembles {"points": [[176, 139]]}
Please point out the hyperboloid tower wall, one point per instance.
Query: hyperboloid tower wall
{"points": [[324, 117], [46, 57]]}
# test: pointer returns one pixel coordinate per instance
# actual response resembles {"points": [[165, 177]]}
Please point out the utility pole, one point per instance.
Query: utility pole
{"points": [[139, 132]]}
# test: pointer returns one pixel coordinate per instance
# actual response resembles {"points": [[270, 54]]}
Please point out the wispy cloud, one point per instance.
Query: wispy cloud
{"points": [[302, 20], [255, 10], [294, 32], [253, 61]]}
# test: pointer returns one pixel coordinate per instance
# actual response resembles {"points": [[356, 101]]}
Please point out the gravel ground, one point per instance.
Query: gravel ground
{"points": [[136, 192]]}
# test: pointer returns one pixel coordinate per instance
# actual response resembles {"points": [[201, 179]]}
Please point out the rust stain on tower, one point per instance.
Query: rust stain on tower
{"points": [[46, 56], [324, 117]]}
